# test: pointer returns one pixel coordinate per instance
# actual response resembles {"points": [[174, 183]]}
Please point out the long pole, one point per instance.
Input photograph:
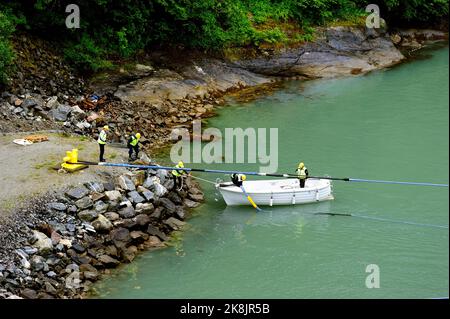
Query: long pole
{"points": [[215, 171]]}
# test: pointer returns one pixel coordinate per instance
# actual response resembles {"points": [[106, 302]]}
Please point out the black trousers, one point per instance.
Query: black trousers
{"points": [[131, 149], [102, 152], [302, 183], [176, 180]]}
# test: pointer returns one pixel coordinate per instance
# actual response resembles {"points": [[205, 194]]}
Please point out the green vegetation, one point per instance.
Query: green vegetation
{"points": [[111, 31], [6, 51]]}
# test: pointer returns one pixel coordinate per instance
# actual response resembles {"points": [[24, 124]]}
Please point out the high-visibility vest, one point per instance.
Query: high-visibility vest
{"points": [[102, 137], [301, 173], [177, 172], [134, 140]]}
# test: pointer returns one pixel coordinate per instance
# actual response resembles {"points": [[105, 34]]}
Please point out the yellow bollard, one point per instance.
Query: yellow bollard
{"points": [[69, 160]]}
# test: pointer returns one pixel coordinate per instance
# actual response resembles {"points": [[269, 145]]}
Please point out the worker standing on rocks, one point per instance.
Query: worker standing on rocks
{"points": [[102, 142], [177, 175], [133, 146]]}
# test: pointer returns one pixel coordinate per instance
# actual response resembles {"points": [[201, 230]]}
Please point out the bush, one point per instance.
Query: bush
{"points": [[86, 55], [6, 51]]}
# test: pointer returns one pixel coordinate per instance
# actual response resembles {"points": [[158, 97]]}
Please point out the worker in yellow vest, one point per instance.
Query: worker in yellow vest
{"points": [[102, 141], [302, 173], [177, 174], [133, 146]]}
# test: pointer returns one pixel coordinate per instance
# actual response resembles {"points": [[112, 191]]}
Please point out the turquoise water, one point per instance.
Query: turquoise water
{"points": [[391, 124]]}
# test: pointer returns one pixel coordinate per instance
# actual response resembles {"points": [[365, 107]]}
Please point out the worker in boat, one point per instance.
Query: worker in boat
{"points": [[178, 174], [302, 173], [238, 179], [102, 142], [133, 146]]}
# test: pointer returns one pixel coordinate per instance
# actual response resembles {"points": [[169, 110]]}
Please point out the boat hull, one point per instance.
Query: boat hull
{"points": [[277, 192]]}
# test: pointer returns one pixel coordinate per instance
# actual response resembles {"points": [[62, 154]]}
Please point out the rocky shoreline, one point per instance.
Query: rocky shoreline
{"points": [[62, 243]]}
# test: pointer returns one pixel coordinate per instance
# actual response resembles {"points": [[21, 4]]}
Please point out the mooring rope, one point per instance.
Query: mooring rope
{"points": [[384, 219]]}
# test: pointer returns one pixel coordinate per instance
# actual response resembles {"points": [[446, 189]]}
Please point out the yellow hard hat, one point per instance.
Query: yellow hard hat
{"points": [[180, 164], [244, 177], [301, 165], [138, 135], [106, 127]]}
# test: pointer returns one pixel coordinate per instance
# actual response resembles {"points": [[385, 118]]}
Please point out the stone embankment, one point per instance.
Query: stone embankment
{"points": [[59, 245]]}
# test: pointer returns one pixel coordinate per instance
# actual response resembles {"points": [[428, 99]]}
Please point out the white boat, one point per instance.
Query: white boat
{"points": [[276, 192]]}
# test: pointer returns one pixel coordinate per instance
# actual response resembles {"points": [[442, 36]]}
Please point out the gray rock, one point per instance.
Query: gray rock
{"points": [[142, 219], [29, 103], [120, 235], [72, 209], [174, 223], [148, 183], [180, 212], [78, 248], [112, 216], [159, 190], [175, 198], [135, 197], [127, 212], [95, 187], [61, 113], [157, 213], [30, 250], [101, 207], [169, 184], [18, 110], [37, 263], [113, 195], [78, 192], [57, 206], [148, 195], [144, 208], [84, 203], [49, 288], [108, 261], [126, 183], [29, 293], [52, 102], [102, 224], [196, 197], [152, 230], [168, 205], [88, 215], [42, 242], [189, 203]]}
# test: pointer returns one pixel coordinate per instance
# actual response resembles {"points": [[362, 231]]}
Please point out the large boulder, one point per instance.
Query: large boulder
{"points": [[88, 215], [153, 230], [168, 205], [113, 195], [102, 224], [174, 223], [135, 197], [42, 242], [61, 113], [126, 183], [77, 192], [108, 261], [120, 236], [127, 212], [95, 187], [84, 203]]}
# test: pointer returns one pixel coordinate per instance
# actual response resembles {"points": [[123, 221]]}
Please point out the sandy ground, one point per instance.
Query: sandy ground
{"points": [[28, 171]]}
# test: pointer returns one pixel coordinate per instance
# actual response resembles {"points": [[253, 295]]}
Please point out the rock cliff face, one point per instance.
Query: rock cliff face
{"points": [[336, 51]]}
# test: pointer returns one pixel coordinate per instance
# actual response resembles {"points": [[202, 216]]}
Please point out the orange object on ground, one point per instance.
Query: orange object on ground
{"points": [[36, 138]]}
